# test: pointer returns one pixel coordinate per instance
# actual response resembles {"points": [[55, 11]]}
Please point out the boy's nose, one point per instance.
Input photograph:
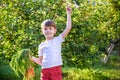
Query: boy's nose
{"points": [[48, 30]]}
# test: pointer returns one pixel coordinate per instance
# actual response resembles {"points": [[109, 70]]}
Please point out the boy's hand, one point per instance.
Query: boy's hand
{"points": [[68, 10], [30, 57]]}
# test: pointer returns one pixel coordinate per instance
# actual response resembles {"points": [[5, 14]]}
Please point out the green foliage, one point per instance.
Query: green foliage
{"points": [[6, 73], [114, 60], [100, 71], [85, 74], [94, 23], [93, 27], [21, 63], [116, 4]]}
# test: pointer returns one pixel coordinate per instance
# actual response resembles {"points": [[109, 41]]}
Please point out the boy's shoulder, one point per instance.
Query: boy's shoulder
{"points": [[41, 44]]}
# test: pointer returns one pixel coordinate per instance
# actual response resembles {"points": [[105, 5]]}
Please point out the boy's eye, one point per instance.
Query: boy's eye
{"points": [[45, 28], [50, 28]]}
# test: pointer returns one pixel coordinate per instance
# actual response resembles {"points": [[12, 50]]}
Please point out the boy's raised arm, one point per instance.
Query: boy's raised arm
{"points": [[68, 23]]}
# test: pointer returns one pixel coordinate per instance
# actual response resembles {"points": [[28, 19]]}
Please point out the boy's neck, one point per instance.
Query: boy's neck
{"points": [[50, 38]]}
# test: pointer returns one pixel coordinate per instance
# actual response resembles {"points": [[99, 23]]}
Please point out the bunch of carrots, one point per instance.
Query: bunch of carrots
{"points": [[22, 65], [30, 73]]}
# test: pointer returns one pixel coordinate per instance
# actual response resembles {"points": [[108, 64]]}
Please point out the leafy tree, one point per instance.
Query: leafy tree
{"points": [[94, 23]]}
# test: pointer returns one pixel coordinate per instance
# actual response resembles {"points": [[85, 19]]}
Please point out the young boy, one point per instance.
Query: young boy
{"points": [[49, 51]]}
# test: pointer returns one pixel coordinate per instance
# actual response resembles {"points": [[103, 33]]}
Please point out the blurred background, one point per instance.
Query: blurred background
{"points": [[91, 51]]}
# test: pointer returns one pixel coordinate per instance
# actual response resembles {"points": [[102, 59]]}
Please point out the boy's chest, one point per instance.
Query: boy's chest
{"points": [[50, 47]]}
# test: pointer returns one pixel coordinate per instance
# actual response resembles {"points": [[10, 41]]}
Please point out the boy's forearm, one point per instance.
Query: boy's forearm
{"points": [[68, 21], [36, 60]]}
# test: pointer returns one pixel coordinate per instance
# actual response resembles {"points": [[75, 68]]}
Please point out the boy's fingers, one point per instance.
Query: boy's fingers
{"points": [[68, 9]]}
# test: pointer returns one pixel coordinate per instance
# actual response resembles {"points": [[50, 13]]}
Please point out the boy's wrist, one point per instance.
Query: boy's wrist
{"points": [[68, 13], [69, 16]]}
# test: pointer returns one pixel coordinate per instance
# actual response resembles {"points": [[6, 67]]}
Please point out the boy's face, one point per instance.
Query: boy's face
{"points": [[49, 31]]}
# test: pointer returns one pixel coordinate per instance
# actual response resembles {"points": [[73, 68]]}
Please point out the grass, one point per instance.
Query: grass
{"points": [[6, 73], [101, 71], [91, 74], [85, 74]]}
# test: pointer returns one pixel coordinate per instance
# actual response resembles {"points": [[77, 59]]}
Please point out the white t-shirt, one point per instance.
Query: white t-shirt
{"points": [[51, 52]]}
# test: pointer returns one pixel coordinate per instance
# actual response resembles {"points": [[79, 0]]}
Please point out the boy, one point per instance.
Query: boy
{"points": [[49, 52]]}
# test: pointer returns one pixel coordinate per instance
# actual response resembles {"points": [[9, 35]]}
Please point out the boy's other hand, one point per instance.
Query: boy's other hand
{"points": [[68, 9]]}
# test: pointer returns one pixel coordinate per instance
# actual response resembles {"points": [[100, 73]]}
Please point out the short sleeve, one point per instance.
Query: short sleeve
{"points": [[40, 53], [59, 38]]}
